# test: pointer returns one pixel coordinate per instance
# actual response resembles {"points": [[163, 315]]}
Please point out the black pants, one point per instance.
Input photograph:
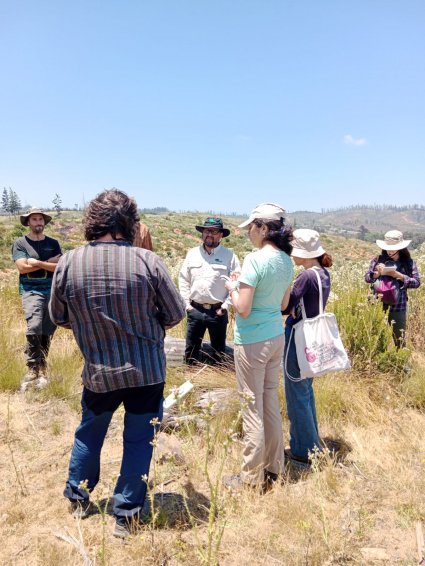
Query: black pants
{"points": [[398, 321], [37, 349], [198, 321]]}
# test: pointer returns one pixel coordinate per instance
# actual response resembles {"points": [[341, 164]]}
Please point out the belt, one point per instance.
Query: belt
{"points": [[31, 276], [206, 306]]}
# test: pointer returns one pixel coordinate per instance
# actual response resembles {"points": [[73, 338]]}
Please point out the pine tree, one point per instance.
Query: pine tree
{"points": [[14, 202], [5, 200], [57, 204]]}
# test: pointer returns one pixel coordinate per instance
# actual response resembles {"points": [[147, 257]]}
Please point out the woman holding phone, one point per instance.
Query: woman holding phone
{"points": [[258, 296]]}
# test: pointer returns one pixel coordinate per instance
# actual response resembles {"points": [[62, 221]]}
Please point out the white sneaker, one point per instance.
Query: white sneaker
{"points": [[29, 378], [41, 382]]}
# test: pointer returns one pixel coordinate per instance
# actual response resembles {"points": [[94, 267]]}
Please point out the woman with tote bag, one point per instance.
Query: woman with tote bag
{"points": [[300, 402]]}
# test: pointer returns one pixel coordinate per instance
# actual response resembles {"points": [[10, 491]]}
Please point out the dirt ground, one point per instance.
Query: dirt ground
{"points": [[360, 511]]}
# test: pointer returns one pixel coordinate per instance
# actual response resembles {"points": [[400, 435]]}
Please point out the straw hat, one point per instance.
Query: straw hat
{"points": [[393, 240], [306, 244]]}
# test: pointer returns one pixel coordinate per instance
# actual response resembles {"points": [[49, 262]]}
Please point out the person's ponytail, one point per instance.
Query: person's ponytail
{"points": [[325, 260]]}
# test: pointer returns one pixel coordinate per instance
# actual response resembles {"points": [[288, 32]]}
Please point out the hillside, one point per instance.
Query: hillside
{"points": [[173, 234], [376, 220]]}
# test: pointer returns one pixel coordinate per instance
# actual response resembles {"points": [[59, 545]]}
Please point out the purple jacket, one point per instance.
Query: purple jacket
{"points": [[307, 288]]}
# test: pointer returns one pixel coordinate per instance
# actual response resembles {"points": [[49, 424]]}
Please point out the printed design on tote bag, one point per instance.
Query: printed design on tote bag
{"points": [[310, 356], [320, 354]]}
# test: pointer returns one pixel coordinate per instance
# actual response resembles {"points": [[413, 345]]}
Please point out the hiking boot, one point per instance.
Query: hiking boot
{"points": [[121, 531], [81, 509], [29, 378], [130, 526], [298, 461], [270, 481]]}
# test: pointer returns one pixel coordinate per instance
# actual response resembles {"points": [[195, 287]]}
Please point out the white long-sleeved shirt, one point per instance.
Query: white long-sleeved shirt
{"points": [[199, 277]]}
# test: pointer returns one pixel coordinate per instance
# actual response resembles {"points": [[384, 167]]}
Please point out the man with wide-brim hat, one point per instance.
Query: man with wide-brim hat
{"points": [[36, 256], [201, 283], [24, 218], [213, 223]]}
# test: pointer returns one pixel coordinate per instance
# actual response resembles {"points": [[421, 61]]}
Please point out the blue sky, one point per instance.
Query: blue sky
{"points": [[194, 104]]}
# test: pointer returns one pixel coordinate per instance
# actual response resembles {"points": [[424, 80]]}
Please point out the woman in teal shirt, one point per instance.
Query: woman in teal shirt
{"points": [[258, 297]]}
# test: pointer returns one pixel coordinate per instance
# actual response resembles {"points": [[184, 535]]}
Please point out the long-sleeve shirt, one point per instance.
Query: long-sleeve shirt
{"points": [[306, 287], [200, 276], [118, 300], [411, 281]]}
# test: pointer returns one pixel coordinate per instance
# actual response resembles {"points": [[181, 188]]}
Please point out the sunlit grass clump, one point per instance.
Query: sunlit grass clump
{"points": [[12, 364], [65, 364]]}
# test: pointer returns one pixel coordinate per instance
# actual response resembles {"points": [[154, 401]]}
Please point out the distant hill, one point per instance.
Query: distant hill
{"points": [[367, 222]]}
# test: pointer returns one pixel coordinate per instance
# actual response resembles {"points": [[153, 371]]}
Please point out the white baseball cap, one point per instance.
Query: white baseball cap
{"points": [[306, 244], [265, 211]]}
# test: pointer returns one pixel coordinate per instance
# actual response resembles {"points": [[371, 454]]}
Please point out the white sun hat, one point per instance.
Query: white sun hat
{"points": [[393, 240], [265, 211], [306, 244]]}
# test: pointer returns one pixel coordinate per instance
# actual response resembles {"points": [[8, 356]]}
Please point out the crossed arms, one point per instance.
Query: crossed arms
{"points": [[28, 265]]}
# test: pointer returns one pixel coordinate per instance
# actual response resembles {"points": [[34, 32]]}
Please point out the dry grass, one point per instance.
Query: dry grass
{"points": [[333, 515], [372, 499]]}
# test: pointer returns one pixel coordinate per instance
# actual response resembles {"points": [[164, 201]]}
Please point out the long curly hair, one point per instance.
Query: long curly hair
{"points": [[111, 212]]}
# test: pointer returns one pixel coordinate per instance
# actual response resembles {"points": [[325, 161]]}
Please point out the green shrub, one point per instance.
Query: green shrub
{"points": [[366, 333]]}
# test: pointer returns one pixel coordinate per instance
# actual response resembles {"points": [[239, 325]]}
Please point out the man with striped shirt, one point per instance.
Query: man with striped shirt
{"points": [[118, 300]]}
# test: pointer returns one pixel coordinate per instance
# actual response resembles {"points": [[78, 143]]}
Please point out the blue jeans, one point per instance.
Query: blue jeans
{"points": [[300, 403], [141, 404]]}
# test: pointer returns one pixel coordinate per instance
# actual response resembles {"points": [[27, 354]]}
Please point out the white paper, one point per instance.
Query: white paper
{"points": [[181, 392]]}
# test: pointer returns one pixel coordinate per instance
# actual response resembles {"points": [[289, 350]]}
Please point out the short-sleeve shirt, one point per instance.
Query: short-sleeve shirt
{"points": [[39, 281], [270, 272]]}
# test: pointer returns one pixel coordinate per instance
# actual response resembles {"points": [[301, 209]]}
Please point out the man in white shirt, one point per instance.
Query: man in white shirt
{"points": [[201, 283]]}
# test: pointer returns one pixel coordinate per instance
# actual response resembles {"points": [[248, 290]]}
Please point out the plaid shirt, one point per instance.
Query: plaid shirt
{"points": [[118, 300], [410, 282]]}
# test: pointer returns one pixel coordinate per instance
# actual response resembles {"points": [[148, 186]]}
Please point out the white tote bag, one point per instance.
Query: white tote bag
{"points": [[319, 346]]}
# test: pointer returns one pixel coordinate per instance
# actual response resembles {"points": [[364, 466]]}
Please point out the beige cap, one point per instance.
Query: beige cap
{"points": [[306, 244], [393, 240], [265, 211]]}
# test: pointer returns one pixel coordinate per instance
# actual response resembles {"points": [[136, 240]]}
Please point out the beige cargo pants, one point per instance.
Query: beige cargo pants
{"points": [[257, 372]]}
